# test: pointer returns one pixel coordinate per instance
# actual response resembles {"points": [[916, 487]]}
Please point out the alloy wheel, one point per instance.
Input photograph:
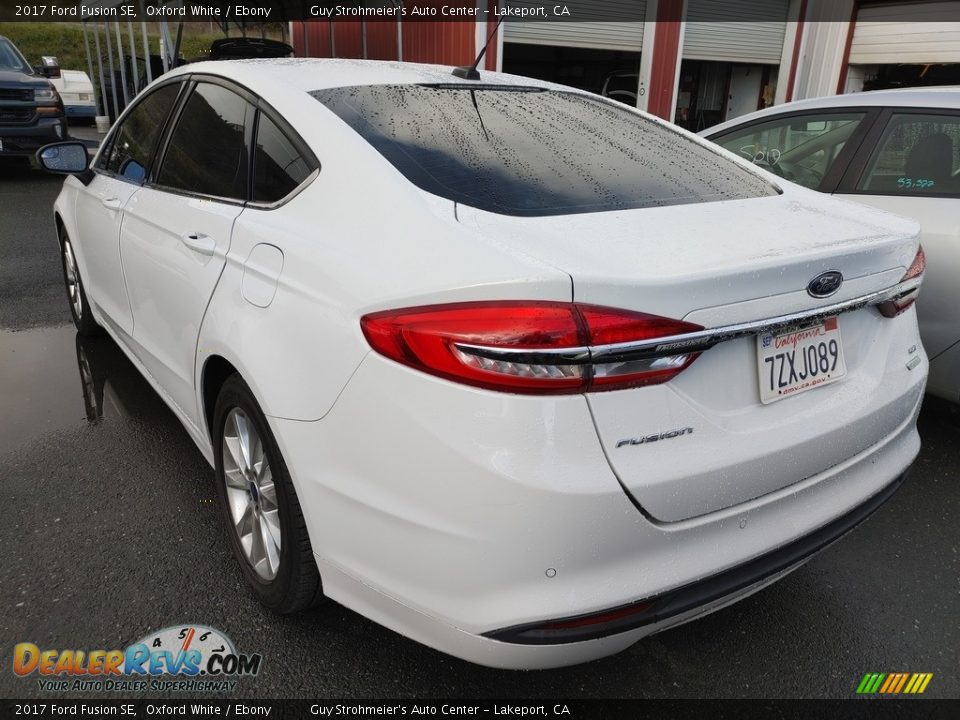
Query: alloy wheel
{"points": [[73, 280], [251, 494]]}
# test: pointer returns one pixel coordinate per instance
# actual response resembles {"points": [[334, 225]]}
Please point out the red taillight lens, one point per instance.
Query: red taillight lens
{"points": [[525, 347], [892, 308]]}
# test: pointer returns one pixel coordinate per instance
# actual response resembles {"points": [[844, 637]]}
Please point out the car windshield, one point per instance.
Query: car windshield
{"points": [[11, 59], [523, 151]]}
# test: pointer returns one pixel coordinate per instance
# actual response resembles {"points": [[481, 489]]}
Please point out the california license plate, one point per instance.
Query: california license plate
{"points": [[794, 362]]}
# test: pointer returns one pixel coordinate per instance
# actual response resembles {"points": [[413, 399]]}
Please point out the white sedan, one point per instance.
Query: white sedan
{"points": [[898, 150], [519, 372]]}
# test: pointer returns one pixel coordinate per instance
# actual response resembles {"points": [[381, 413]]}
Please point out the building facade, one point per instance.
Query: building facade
{"points": [[695, 62]]}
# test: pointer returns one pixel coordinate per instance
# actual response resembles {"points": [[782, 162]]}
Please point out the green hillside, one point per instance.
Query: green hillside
{"points": [[65, 42]]}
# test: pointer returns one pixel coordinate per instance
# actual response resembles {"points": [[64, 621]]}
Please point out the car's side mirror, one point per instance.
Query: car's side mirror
{"points": [[67, 158], [49, 68]]}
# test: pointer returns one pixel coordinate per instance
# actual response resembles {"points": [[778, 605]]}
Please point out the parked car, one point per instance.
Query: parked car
{"points": [[31, 112], [898, 150], [519, 372], [241, 48], [76, 91]]}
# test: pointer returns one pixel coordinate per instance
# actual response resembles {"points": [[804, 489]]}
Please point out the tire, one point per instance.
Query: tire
{"points": [[76, 294], [263, 511]]}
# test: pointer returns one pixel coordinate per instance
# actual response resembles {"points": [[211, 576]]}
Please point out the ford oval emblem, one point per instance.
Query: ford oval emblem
{"points": [[825, 284]]}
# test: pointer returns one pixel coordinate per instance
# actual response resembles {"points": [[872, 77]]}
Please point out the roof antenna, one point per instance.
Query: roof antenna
{"points": [[471, 73]]}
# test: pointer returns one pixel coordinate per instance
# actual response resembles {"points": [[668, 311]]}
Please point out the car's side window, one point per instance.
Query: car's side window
{"points": [[207, 151], [917, 155], [278, 167], [799, 148], [134, 142]]}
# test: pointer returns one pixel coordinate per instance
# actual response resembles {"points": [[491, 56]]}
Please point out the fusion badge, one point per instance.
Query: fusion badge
{"points": [[668, 435]]}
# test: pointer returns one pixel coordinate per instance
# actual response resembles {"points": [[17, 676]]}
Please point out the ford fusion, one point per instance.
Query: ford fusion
{"points": [[516, 371]]}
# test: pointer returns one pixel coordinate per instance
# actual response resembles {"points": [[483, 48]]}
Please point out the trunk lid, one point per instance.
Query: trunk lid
{"points": [[717, 264]]}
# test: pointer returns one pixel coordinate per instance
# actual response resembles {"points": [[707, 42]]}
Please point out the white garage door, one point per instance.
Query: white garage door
{"points": [[620, 29], [907, 32], [743, 31]]}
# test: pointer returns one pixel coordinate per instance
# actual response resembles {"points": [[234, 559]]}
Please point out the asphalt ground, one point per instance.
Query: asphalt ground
{"points": [[110, 528]]}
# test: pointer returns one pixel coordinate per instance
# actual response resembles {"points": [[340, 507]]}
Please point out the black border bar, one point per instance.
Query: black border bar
{"points": [[252, 11]]}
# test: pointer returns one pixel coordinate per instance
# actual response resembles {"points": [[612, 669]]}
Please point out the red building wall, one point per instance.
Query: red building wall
{"points": [[446, 43], [666, 58]]}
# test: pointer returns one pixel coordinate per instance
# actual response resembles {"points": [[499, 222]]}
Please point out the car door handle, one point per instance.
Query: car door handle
{"points": [[198, 242], [111, 203]]}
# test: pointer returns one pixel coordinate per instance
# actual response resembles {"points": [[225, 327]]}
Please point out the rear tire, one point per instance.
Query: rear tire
{"points": [[80, 309], [266, 527]]}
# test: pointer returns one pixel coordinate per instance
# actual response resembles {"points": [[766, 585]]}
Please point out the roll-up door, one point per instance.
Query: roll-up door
{"points": [[621, 27], [742, 31], [907, 32]]}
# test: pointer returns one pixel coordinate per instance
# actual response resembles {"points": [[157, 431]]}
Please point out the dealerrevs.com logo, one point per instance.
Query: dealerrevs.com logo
{"points": [[180, 658]]}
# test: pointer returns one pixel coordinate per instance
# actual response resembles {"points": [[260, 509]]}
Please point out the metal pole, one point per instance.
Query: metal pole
{"points": [[148, 66], [123, 65], [176, 48], [363, 37], [164, 45], [86, 46], [113, 74], [306, 39], [400, 35], [333, 40], [103, 88], [133, 58]]}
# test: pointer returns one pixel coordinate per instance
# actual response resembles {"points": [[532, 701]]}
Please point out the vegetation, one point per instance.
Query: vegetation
{"points": [[65, 41]]}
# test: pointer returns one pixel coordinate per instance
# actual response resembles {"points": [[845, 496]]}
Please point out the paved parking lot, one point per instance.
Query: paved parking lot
{"points": [[110, 528]]}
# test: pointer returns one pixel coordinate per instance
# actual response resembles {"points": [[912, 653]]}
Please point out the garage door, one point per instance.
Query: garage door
{"points": [[621, 29], [744, 31], [907, 32]]}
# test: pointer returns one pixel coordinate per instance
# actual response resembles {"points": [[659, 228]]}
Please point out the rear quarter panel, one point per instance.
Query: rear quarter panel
{"points": [[357, 239]]}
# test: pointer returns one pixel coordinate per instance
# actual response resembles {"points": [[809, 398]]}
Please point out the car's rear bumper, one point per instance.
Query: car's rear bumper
{"points": [[450, 514], [699, 594], [80, 111]]}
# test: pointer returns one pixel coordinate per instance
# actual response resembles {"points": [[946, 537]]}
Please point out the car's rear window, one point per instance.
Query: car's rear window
{"points": [[518, 151]]}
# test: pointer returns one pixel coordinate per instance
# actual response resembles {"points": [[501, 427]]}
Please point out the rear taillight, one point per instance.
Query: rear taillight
{"points": [[525, 347], [892, 308]]}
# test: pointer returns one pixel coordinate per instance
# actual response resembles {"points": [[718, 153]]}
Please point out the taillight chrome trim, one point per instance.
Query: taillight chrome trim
{"points": [[686, 343], [549, 356]]}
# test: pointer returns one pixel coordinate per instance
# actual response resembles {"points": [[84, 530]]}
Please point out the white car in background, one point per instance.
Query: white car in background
{"points": [[898, 150], [76, 91], [517, 371]]}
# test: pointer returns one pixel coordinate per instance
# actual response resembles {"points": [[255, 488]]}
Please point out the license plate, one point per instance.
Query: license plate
{"points": [[793, 362]]}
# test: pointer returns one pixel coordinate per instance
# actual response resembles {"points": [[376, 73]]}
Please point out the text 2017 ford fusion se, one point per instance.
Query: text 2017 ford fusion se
{"points": [[514, 370]]}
